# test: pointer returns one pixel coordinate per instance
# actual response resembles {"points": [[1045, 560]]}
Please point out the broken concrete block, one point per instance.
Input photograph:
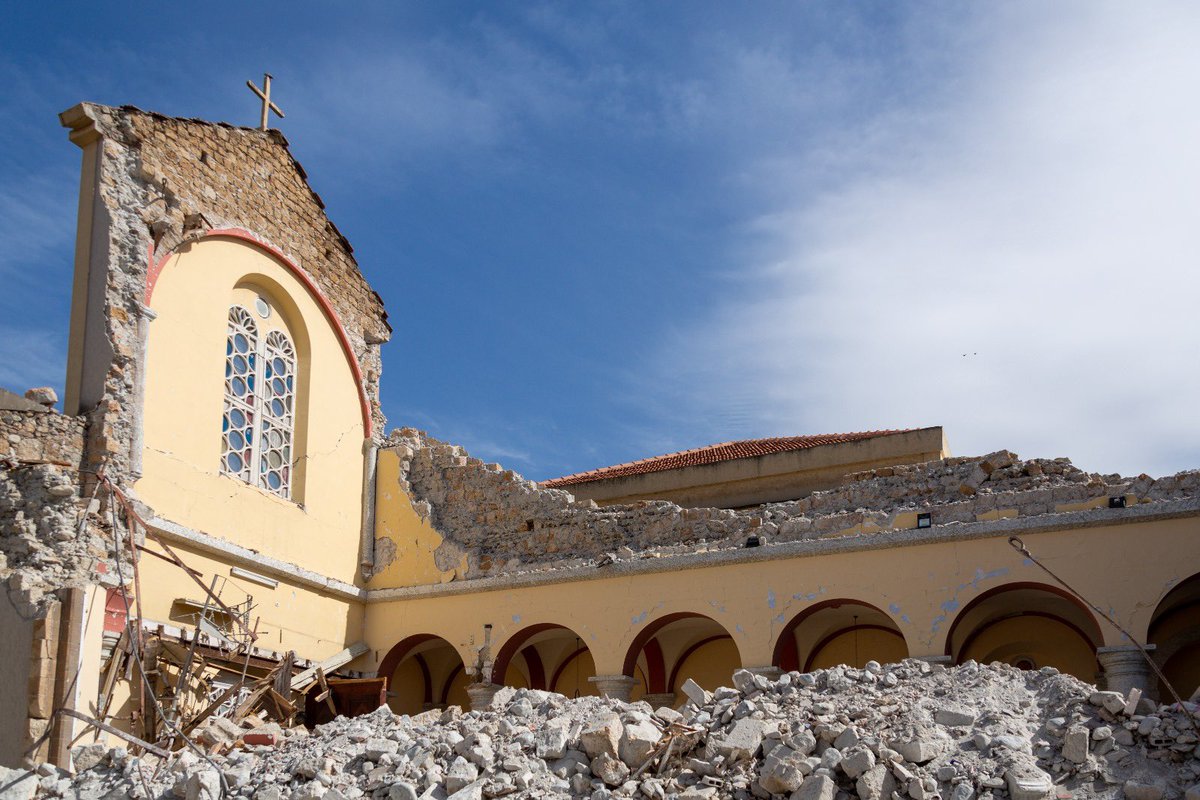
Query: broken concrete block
{"points": [[954, 717], [609, 769], [17, 784], [1143, 791], [876, 783], [783, 770], [551, 742], [917, 749], [816, 787], [1027, 782], [694, 692], [1075, 744], [86, 756], [857, 761], [742, 741], [637, 743], [461, 774], [602, 735]]}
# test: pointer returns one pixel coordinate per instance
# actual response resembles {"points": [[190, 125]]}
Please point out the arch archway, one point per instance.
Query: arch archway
{"points": [[546, 656], [423, 671], [676, 647], [1028, 625], [840, 631], [1175, 633]]}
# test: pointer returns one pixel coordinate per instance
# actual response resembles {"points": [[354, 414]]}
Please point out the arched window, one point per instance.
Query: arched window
{"points": [[260, 391]]}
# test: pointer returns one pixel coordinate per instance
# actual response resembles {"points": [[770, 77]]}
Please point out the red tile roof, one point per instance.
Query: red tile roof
{"points": [[714, 453]]}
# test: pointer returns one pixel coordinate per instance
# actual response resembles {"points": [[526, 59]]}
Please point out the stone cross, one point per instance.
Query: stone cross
{"points": [[264, 94]]}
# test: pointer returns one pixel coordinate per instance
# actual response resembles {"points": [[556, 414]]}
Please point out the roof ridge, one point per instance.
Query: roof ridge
{"points": [[661, 463]]}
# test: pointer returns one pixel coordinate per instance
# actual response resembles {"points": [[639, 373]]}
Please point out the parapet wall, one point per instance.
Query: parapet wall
{"points": [[502, 523]]}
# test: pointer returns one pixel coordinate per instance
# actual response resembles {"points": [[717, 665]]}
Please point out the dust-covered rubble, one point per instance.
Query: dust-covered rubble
{"points": [[910, 730]]}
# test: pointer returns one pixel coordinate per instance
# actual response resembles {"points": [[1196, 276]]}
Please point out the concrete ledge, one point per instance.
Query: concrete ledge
{"points": [[236, 555], [809, 548]]}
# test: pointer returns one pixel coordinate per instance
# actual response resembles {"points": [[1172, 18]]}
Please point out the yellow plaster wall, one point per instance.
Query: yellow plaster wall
{"points": [[183, 406], [711, 665], [920, 587], [1048, 642], [414, 538], [857, 647], [291, 617]]}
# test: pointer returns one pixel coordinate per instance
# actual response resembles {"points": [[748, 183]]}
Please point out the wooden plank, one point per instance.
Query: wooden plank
{"points": [[129, 737], [335, 661]]}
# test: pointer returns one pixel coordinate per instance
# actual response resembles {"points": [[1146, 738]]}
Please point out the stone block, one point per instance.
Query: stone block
{"points": [[817, 787], [1075, 744], [602, 734], [783, 770], [876, 783], [1025, 781], [637, 742], [741, 741]]}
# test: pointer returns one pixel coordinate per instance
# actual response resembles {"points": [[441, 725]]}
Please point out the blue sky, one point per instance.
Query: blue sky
{"points": [[607, 231]]}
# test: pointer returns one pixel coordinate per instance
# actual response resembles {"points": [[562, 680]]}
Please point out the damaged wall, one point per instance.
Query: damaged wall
{"points": [[496, 522]]}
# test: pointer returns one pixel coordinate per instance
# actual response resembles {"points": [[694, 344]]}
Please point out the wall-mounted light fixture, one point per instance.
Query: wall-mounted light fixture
{"points": [[753, 541], [925, 520], [1116, 502]]}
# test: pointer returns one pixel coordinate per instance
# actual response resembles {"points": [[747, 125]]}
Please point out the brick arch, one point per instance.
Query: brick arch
{"points": [[156, 266], [785, 655]]}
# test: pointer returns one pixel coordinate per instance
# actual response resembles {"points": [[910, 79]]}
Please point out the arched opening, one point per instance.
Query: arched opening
{"points": [[676, 647], [423, 672], [1028, 625], [546, 656], [837, 632], [1175, 634]]}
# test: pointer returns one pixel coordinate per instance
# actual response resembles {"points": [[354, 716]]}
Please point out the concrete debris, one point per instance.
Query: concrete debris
{"points": [[1031, 736]]}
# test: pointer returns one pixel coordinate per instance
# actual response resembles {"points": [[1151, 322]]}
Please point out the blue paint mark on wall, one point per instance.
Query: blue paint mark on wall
{"points": [[771, 599], [517, 619], [893, 608], [640, 618], [950, 605], [779, 618], [904, 618], [739, 628]]}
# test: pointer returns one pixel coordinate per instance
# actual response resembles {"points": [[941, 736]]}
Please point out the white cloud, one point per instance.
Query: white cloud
{"points": [[1015, 257]]}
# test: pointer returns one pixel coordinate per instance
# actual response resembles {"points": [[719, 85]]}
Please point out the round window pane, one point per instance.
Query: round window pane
{"points": [[262, 308], [236, 417], [234, 461], [236, 440], [276, 438], [241, 343], [278, 386], [274, 460], [273, 480], [279, 365], [277, 407], [239, 365], [239, 387]]}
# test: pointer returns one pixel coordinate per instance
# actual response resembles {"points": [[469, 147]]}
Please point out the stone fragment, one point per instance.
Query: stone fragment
{"points": [[42, 395], [1075, 744], [551, 742], [17, 784], [742, 741], [1192, 793], [217, 731], [694, 692], [816, 787], [402, 791], [857, 761], [1143, 791], [876, 783], [917, 749], [953, 717], [609, 769], [376, 748], [87, 756], [782, 771], [472, 791], [846, 739], [602, 735], [460, 774], [1025, 781], [638, 741], [204, 784]]}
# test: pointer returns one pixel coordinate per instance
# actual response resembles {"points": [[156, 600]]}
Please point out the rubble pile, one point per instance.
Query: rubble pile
{"points": [[910, 730], [504, 524]]}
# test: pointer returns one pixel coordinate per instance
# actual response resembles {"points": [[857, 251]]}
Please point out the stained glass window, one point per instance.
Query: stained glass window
{"points": [[260, 392]]}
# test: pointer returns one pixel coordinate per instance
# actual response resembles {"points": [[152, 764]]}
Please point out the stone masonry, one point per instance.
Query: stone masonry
{"points": [[504, 523]]}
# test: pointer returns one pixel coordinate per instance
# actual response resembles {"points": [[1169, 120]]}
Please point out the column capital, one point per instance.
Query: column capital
{"points": [[619, 687]]}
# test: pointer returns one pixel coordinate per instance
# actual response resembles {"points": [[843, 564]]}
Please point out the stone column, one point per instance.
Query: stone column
{"points": [[619, 687], [1125, 668], [481, 694], [660, 699]]}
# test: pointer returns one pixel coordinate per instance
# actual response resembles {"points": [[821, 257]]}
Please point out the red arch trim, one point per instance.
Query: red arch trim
{"points": [[684, 657], [650, 631], [1095, 636], [155, 268], [787, 657]]}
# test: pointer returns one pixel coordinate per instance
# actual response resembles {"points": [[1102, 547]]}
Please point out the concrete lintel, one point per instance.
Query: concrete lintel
{"points": [[809, 548], [237, 555]]}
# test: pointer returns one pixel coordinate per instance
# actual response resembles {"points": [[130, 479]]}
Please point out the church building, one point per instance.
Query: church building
{"points": [[221, 494]]}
